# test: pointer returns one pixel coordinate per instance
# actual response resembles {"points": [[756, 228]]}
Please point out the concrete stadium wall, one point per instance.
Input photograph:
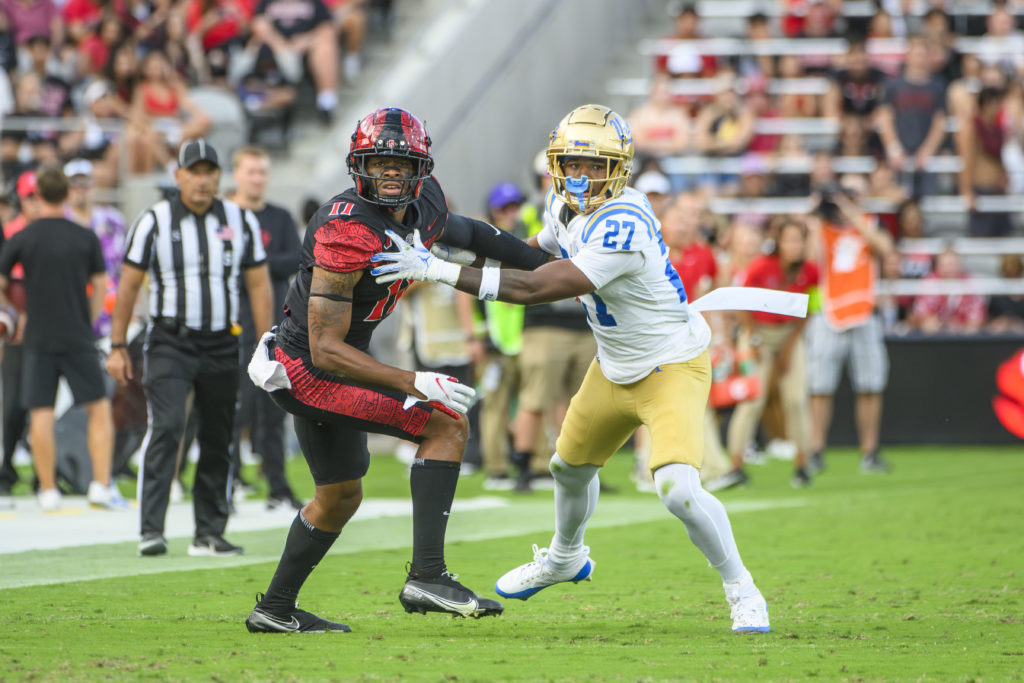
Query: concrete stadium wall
{"points": [[491, 78]]}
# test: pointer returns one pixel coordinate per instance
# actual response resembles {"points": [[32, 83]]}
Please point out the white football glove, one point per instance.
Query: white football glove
{"points": [[413, 262], [443, 392], [463, 257]]}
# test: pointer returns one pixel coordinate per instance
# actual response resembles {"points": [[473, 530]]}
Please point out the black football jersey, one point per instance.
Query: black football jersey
{"points": [[342, 237]]}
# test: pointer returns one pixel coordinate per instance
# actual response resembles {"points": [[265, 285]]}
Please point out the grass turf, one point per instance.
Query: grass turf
{"points": [[914, 575]]}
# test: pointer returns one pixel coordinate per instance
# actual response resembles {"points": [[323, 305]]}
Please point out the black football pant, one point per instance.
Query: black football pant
{"points": [[15, 417], [175, 366]]}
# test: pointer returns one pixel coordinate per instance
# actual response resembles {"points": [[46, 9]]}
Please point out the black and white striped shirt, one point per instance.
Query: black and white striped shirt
{"points": [[195, 261]]}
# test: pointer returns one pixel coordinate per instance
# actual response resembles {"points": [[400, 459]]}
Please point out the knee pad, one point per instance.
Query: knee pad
{"points": [[571, 476], [677, 485]]}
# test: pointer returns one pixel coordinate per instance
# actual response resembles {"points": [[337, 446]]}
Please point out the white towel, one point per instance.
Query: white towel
{"points": [[752, 299], [266, 373]]}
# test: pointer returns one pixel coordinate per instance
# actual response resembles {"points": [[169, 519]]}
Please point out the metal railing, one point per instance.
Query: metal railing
{"points": [[821, 47], [699, 165], [942, 204]]}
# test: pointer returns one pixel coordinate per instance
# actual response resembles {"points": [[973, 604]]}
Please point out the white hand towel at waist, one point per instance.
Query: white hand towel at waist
{"points": [[266, 373]]}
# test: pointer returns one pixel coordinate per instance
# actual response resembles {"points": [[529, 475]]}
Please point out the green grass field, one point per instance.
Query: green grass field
{"points": [[918, 575]]}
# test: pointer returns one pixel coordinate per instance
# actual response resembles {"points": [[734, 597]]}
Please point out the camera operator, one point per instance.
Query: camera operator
{"points": [[848, 244]]}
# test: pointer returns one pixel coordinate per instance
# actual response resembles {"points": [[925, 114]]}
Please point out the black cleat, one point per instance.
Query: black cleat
{"points": [[153, 543], [817, 463], [728, 480], [445, 594], [800, 479], [213, 546], [872, 463], [296, 621]]}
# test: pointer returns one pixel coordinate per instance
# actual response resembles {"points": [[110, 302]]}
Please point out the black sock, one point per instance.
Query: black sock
{"points": [[433, 485], [522, 459], [305, 547]]}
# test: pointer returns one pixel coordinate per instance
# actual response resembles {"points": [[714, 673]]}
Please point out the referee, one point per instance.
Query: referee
{"points": [[194, 247]]}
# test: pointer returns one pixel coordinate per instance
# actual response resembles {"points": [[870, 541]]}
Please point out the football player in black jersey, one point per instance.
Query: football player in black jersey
{"points": [[338, 393]]}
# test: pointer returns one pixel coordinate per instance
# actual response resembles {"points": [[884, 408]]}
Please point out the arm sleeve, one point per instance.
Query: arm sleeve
{"points": [[486, 240], [345, 246], [254, 255], [139, 247]]}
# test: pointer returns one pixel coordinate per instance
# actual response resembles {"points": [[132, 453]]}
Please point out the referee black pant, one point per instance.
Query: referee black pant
{"points": [[177, 364]]}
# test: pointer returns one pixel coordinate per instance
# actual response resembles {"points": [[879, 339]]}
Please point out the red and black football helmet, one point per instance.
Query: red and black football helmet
{"points": [[390, 132]]}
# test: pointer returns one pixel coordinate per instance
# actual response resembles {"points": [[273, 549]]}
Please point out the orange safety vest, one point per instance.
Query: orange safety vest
{"points": [[848, 277]]}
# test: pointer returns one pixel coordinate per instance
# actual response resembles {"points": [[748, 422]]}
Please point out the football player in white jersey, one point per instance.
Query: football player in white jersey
{"points": [[652, 366]]}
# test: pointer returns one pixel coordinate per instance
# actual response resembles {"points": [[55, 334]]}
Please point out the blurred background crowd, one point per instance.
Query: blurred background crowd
{"points": [[746, 116]]}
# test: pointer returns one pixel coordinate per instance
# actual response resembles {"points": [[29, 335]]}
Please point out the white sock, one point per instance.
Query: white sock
{"points": [[707, 523], [326, 99], [576, 491]]}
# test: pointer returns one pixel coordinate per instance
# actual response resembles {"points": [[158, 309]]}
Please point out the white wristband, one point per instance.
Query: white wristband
{"points": [[490, 280], [492, 263]]}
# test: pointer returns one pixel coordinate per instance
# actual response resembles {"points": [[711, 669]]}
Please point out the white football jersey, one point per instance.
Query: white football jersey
{"points": [[638, 311]]}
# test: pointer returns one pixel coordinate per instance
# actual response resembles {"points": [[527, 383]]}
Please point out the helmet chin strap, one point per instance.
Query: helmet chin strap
{"points": [[578, 186]]}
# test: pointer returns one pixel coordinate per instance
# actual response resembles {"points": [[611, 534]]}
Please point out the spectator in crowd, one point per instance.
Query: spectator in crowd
{"points": [[263, 88], [500, 378], [857, 87], [684, 58], [8, 48], [740, 244], [15, 416], [217, 29], [1006, 311], [962, 313], [776, 343], [95, 140], [191, 347], [894, 309], [846, 244], [883, 188], [796, 104], [280, 236], [725, 126], [84, 17], [349, 19], [657, 187], [660, 127], [881, 28], [30, 18], [1006, 41], [106, 222], [58, 335], [55, 90], [162, 115], [756, 66], [299, 31], [913, 136], [122, 73], [980, 145]]}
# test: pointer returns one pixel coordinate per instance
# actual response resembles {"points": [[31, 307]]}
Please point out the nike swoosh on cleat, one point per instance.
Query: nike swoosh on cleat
{"points": [[292, 625], [460, 607]]}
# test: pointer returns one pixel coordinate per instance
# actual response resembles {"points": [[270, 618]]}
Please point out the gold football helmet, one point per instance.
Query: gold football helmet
{"points": [[591, 131]]}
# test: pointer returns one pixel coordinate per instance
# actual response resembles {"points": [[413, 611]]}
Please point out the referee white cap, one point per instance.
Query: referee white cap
{"points": [[194, 151]]}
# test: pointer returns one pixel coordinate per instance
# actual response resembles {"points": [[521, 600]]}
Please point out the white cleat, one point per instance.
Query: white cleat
{"points": [[750, 614], [49, 499], [528, 579], [106, 497]]}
